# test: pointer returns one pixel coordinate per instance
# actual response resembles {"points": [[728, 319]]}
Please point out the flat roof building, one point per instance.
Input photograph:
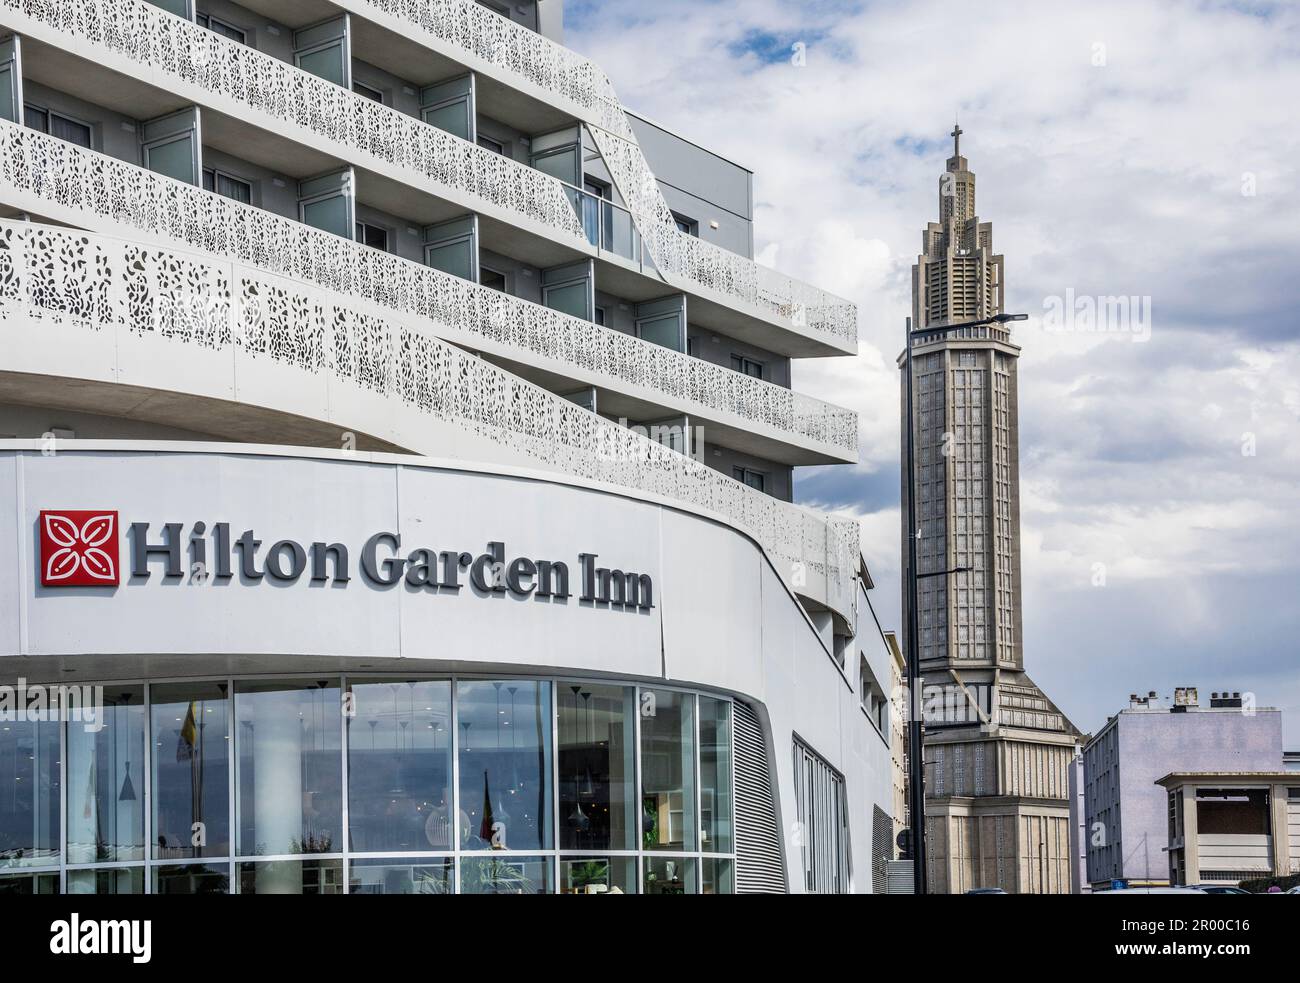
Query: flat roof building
{"points": [[1226, 827], [1126, 815]]}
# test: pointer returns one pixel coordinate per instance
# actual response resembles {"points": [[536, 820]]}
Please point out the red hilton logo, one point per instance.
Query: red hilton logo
{"points": [[79, 549]]}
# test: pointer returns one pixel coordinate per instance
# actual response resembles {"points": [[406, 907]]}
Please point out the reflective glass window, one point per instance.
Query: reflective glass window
{"points": [[505, 765]]}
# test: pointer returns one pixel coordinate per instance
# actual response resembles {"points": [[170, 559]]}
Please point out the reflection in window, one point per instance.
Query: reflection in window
{"points": [[191, 780], [669, 875], [289, 768], [505, 875], [715, 776], [717, 876], [399, 767], [598, 875], [29, 791], [597, 767], [424, 876], [124, 880], [192, 879], [106, 782], [291, 877], [667, 770], [15, 885], [505, 765]]}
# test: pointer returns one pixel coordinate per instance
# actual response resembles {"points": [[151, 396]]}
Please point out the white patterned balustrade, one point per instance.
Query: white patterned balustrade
{"points": [[202, 326], [166, 46], [47, 176], [494, 42]]}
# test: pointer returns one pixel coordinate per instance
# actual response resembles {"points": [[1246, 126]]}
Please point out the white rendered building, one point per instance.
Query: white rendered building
{"points": [[396, 446]]}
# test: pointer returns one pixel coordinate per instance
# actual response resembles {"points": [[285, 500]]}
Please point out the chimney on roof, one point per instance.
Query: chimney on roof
{"points": [[1184, 697]]}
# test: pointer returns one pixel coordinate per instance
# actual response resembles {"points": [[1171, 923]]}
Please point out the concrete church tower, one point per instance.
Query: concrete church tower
{"points": [[996, 748]]}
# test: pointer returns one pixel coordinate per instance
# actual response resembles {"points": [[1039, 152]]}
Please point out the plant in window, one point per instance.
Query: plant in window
{"points": [[501, 877], [590, 872]]}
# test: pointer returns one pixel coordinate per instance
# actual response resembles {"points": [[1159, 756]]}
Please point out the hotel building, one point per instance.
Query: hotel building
{"points": [[396, 446]]}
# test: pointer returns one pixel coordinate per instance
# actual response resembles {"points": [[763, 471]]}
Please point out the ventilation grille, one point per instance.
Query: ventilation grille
{"points": [[882, 848], [759, 865]]}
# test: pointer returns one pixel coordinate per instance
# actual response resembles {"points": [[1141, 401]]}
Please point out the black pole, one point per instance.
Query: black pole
{"points": [[915, 750]]}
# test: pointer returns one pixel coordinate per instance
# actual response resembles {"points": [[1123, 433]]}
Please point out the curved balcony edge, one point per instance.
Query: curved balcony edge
{"points": [[89, 308], [47, 176]]}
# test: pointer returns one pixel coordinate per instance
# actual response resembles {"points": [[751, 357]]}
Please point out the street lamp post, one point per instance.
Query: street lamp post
{"points": [[916, 754]]}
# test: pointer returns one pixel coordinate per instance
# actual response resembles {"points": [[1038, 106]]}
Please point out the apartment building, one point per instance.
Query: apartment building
{"points": [[1126, 814], [397, 438]]}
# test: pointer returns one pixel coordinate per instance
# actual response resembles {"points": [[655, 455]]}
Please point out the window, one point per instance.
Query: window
{"points": [[474, 786], [487, 143], [600, 316], [217, 26], [871, 695], [687, 225], [29, 775], [361, 89], [755, 479], [497, 8], [227, 186], [715, 776], [288, 781], [57, 125], [667, 771], [106, 798], [823, 820], [746, 366], [400, 770], [505, 778], [374, 236], [597, 767], [492, 278], [191, 791]]}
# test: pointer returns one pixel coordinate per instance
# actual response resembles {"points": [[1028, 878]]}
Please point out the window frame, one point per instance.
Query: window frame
{"points": [[340, 859], [745, 473], [218, 172], [360, 225], [50, 114], [206, 20], [739, 363]]}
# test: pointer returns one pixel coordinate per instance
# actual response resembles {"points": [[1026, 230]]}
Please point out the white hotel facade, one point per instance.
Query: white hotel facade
{"points": [[400, 432]]}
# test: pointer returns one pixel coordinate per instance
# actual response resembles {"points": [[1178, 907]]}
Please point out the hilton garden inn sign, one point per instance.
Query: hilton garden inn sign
{"points": [[82, 548]]}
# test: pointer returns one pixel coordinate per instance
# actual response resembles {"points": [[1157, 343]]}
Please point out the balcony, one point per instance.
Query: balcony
{"points": [[536, 65], [45, 176], [728, 290], [241, 82], [227, 347]]}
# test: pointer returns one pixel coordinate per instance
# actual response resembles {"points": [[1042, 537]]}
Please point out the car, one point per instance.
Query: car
{"points": [[1153, 890], [1294, 890], [986, 890], [1220, 889]]}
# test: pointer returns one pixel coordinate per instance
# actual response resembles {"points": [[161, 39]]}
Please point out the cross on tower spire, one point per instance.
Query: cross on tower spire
{"points": [[957, 131]]}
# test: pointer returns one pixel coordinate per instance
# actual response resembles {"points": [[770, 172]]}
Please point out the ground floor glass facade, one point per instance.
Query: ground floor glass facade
{"points": [[373, 785]]}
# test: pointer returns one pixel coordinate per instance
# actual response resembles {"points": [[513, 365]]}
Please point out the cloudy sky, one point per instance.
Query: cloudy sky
{"points": [[1123, 148]]}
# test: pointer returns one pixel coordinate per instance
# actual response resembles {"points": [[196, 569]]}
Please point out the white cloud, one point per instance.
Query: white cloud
{"points": [[1119, 179]]}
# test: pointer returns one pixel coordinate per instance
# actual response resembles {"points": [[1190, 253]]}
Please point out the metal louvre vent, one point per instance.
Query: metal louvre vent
{"points": [[760, 868], [882, 848]]}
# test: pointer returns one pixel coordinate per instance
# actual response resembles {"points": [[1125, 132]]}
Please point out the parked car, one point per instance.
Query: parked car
{"points": [[1220, 889], [986, 890], [1154, 890]]}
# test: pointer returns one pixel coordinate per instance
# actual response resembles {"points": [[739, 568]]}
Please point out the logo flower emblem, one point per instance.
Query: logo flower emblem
{"points": [[79, 549]]}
